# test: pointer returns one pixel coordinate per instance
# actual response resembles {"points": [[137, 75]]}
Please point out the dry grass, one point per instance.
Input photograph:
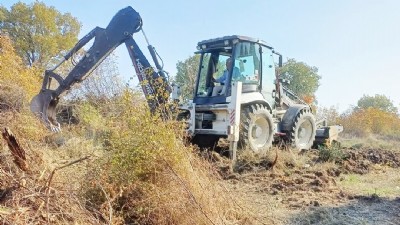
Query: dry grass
{"points": [[149, 176], [372, 141], [138, 171], [30, 197], [282, 160], [371, 183], [119, 165], [33, 197]]}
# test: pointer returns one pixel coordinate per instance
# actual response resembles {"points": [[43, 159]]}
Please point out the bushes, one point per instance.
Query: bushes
{"points": [[364, 122], [12, 97], [148, 175], [13, 72], [144, 174], [360, 122], [18, 84], [331, 154]]}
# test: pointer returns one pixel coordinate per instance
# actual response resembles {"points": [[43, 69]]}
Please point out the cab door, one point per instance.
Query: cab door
{"points": [[268, 75]]}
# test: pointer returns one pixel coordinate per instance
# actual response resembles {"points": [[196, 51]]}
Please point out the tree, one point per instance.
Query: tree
{"points": [[40, 34], [304, 79], [378, 102], [363, 122], [331, 114], [186, 75], [18, 84]]}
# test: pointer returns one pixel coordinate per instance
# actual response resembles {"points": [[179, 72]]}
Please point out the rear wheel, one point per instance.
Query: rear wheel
{"points": [[257, 128], [302, 134]]}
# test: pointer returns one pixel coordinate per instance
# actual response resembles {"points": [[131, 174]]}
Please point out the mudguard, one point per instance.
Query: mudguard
{"points": [[254, 98], [290, 115]]}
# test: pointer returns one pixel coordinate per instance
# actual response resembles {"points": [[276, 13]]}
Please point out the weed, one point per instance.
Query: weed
{"points": [[331, 154]]}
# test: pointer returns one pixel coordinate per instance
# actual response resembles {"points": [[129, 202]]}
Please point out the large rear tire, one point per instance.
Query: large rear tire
{"points": [[257, 129], [302, 134]]}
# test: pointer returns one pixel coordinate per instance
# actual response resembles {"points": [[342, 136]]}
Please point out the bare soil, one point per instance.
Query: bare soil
{"points": [[315, 192]]}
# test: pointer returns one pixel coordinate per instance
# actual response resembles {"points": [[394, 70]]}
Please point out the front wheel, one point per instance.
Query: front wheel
{"points": [[257, 128], [302, 134]]}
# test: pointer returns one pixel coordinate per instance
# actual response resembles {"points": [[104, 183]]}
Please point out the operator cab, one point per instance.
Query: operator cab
{"points": [[252, 63]]}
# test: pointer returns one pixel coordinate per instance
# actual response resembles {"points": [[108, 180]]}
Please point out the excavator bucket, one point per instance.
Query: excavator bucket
{"points": [[44, 106]]}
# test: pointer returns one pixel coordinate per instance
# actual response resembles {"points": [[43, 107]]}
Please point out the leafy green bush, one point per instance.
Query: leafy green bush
{"points": [[333, 153]]}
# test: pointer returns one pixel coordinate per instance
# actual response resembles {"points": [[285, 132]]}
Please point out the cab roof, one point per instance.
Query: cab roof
{"points": [[233, 37]]}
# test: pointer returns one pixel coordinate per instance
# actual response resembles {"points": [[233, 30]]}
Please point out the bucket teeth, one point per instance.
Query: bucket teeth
{"points": [[44, 106]]}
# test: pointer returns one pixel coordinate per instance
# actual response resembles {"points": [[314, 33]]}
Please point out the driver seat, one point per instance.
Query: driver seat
{"points": [[218, 90]]}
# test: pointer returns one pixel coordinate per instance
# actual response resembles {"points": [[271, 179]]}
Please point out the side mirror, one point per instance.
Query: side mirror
{"points": [[280, 62]]}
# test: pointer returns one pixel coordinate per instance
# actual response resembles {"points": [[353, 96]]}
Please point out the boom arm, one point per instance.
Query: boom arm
{"points": [[120, 30], [155, 85]]}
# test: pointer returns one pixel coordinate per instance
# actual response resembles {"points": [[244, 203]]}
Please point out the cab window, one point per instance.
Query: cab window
{"points": [[248, 61]]}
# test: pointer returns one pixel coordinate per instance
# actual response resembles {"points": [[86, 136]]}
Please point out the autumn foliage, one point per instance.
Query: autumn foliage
{"points": [[41, 34], [15, 76], [363, 122]]}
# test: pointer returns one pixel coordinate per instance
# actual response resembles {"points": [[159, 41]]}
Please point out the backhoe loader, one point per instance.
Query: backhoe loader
{"points": [[251, 107]]}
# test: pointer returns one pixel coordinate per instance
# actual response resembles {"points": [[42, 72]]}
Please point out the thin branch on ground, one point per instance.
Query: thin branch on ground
{"points": [[47, 190]]}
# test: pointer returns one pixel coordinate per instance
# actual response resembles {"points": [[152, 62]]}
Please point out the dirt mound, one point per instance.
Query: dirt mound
{"points": [[296, 189], [293, 187], [309, 183], [361, 161]]}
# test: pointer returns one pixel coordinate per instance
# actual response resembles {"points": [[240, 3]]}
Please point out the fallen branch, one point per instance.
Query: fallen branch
{"points": [[110, 209], [16, 149], [47, 190]]}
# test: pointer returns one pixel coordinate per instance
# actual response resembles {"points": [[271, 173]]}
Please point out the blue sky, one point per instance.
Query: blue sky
{"points": [[354, 43]]}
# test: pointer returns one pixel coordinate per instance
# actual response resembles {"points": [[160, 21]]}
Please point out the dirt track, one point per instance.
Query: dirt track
{"points": [[313, 192]]}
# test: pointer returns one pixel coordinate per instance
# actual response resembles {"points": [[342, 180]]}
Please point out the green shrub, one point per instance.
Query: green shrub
{"points": [[331, 154]]}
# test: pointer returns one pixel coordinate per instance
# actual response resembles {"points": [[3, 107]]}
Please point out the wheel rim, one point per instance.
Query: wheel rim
{"points": [[304, 133], [259, 132]]}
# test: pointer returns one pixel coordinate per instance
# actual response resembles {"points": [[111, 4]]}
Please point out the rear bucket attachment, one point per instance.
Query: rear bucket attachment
{"points": [[44, 105], [328, 136]]}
